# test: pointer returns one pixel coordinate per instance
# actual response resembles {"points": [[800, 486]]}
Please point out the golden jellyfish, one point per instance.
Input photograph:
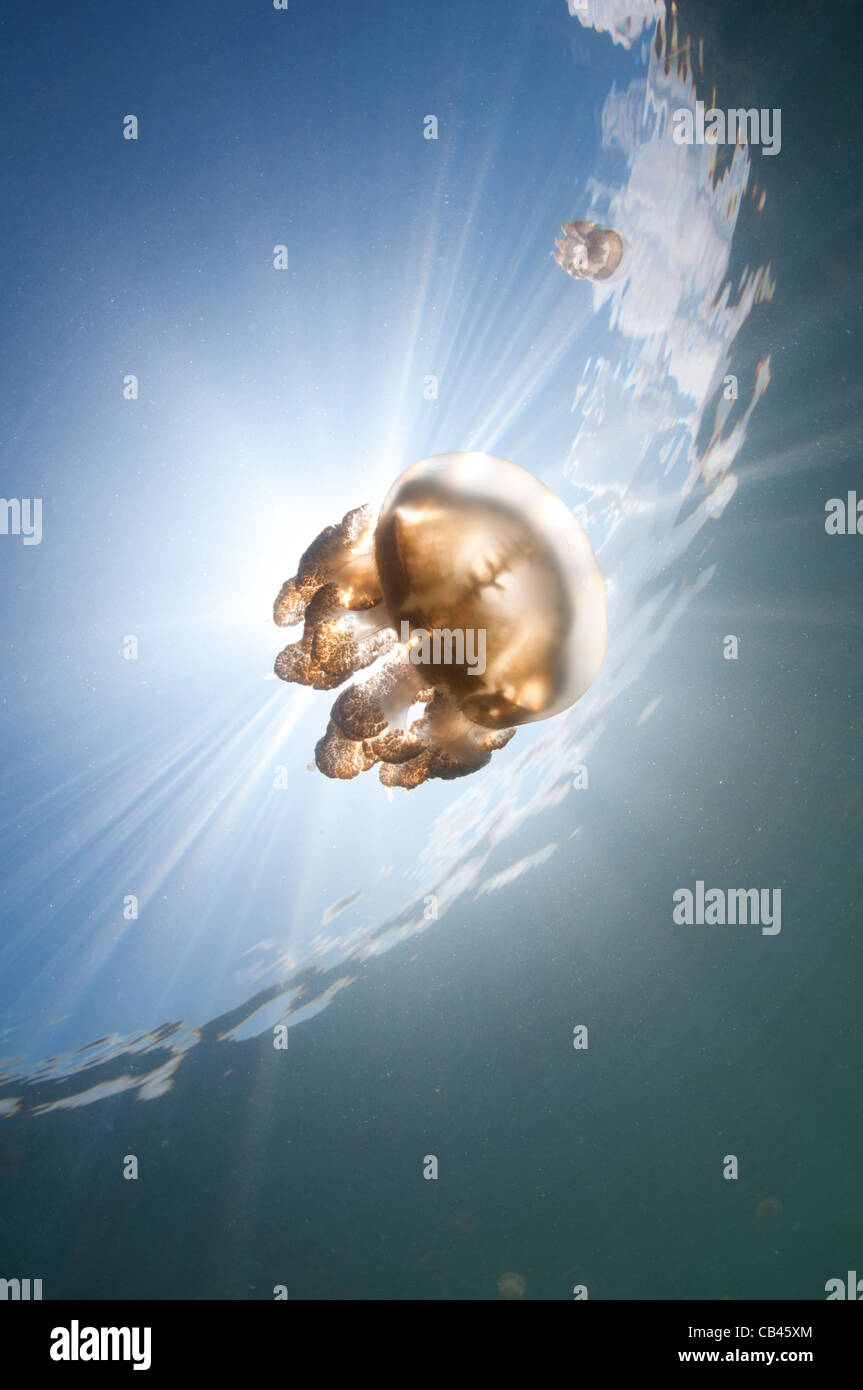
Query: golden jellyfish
{"points": [[511, 1286], [769, 1210], [476, 598], [587, 251]]}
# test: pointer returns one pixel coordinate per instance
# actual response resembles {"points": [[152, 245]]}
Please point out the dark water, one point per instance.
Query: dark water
{"points": [[604, 1167]]}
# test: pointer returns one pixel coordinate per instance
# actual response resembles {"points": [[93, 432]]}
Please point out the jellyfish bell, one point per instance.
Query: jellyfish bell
{"points": [[477, 544], [768, 1210], [512, 1285], [589, 252], [476, 595]]}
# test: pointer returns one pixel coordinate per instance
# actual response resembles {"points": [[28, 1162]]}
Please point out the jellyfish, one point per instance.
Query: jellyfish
{"points": [[475, 604], [512, 1286], [768, 1210], [588, 252]]}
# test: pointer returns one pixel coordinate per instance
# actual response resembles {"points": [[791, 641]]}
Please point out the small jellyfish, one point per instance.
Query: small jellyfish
{"points": [[476, 598], [588, 252], [511, 1286], [769, 1210]]}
